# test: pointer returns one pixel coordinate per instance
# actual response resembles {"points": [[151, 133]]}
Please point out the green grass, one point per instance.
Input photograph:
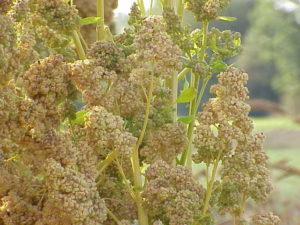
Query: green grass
{"points": [[287, 187], [274, 123]]}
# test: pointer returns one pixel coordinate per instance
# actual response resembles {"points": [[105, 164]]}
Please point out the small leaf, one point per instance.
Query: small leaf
{"points": [[89, 20], [185, 119], [187, 95], [40, 177], [237, 42], [227, 18], [80, 117], [219, 66]]}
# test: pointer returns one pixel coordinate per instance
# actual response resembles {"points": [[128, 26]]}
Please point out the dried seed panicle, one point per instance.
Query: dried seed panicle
{"points": [[206, 9]]}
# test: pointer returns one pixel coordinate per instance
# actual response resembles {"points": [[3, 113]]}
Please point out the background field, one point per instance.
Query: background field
{"points": [[287, 132]]}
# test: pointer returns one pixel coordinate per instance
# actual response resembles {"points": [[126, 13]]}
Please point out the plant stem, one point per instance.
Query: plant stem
{"points": [[100, 25], [78, 45], [238, 216], [151, 6], [174, 96], [191, 126], [168, 3], [146, 118], [180, 9], [107, 161], [142, 7], [209, 188], [172, 84], [113, 216], [182, 74], [186, 158], [82, 40], [137, 176], [127, 184]]}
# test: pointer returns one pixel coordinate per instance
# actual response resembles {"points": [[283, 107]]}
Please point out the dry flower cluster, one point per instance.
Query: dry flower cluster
{"points": [[90, 134]]}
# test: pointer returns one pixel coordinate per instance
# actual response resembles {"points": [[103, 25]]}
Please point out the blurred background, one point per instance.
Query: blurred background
{"points": [[271, 39]]}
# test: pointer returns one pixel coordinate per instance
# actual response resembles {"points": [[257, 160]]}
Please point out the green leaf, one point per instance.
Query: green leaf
{"points": [[237, 42], [187, 95], [40, 177], [80, 117], [185, 119], [227, 18], [89, 20], [219, 66]]}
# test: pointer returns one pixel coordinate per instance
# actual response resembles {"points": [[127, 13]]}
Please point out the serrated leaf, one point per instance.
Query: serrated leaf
{"points": [[219, 66], [187, 95], [185, 119], [227, 18], [80, 117], [89, 20]]}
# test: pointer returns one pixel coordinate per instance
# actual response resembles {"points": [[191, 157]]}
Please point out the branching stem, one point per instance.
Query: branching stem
{"points": [[210, 184], [127, 184], [78, 45], [186, 158], [137, 175], [192, 124], [182, 74], [107, 161]]}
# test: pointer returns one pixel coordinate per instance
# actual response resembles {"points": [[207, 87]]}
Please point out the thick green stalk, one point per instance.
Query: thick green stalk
{"points": [[168, 4], [180, 8], [174, 96], [172, 84], [141, 6], [186, 158], [151, 6], [100, 25], [78, 45], [137, 175]]}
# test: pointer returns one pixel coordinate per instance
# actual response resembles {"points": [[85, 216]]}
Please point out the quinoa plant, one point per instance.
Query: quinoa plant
{"points": [[124, 157]]}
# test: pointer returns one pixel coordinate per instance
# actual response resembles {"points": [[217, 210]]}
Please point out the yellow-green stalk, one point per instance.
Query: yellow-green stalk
{"points": [[100, 25]]}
